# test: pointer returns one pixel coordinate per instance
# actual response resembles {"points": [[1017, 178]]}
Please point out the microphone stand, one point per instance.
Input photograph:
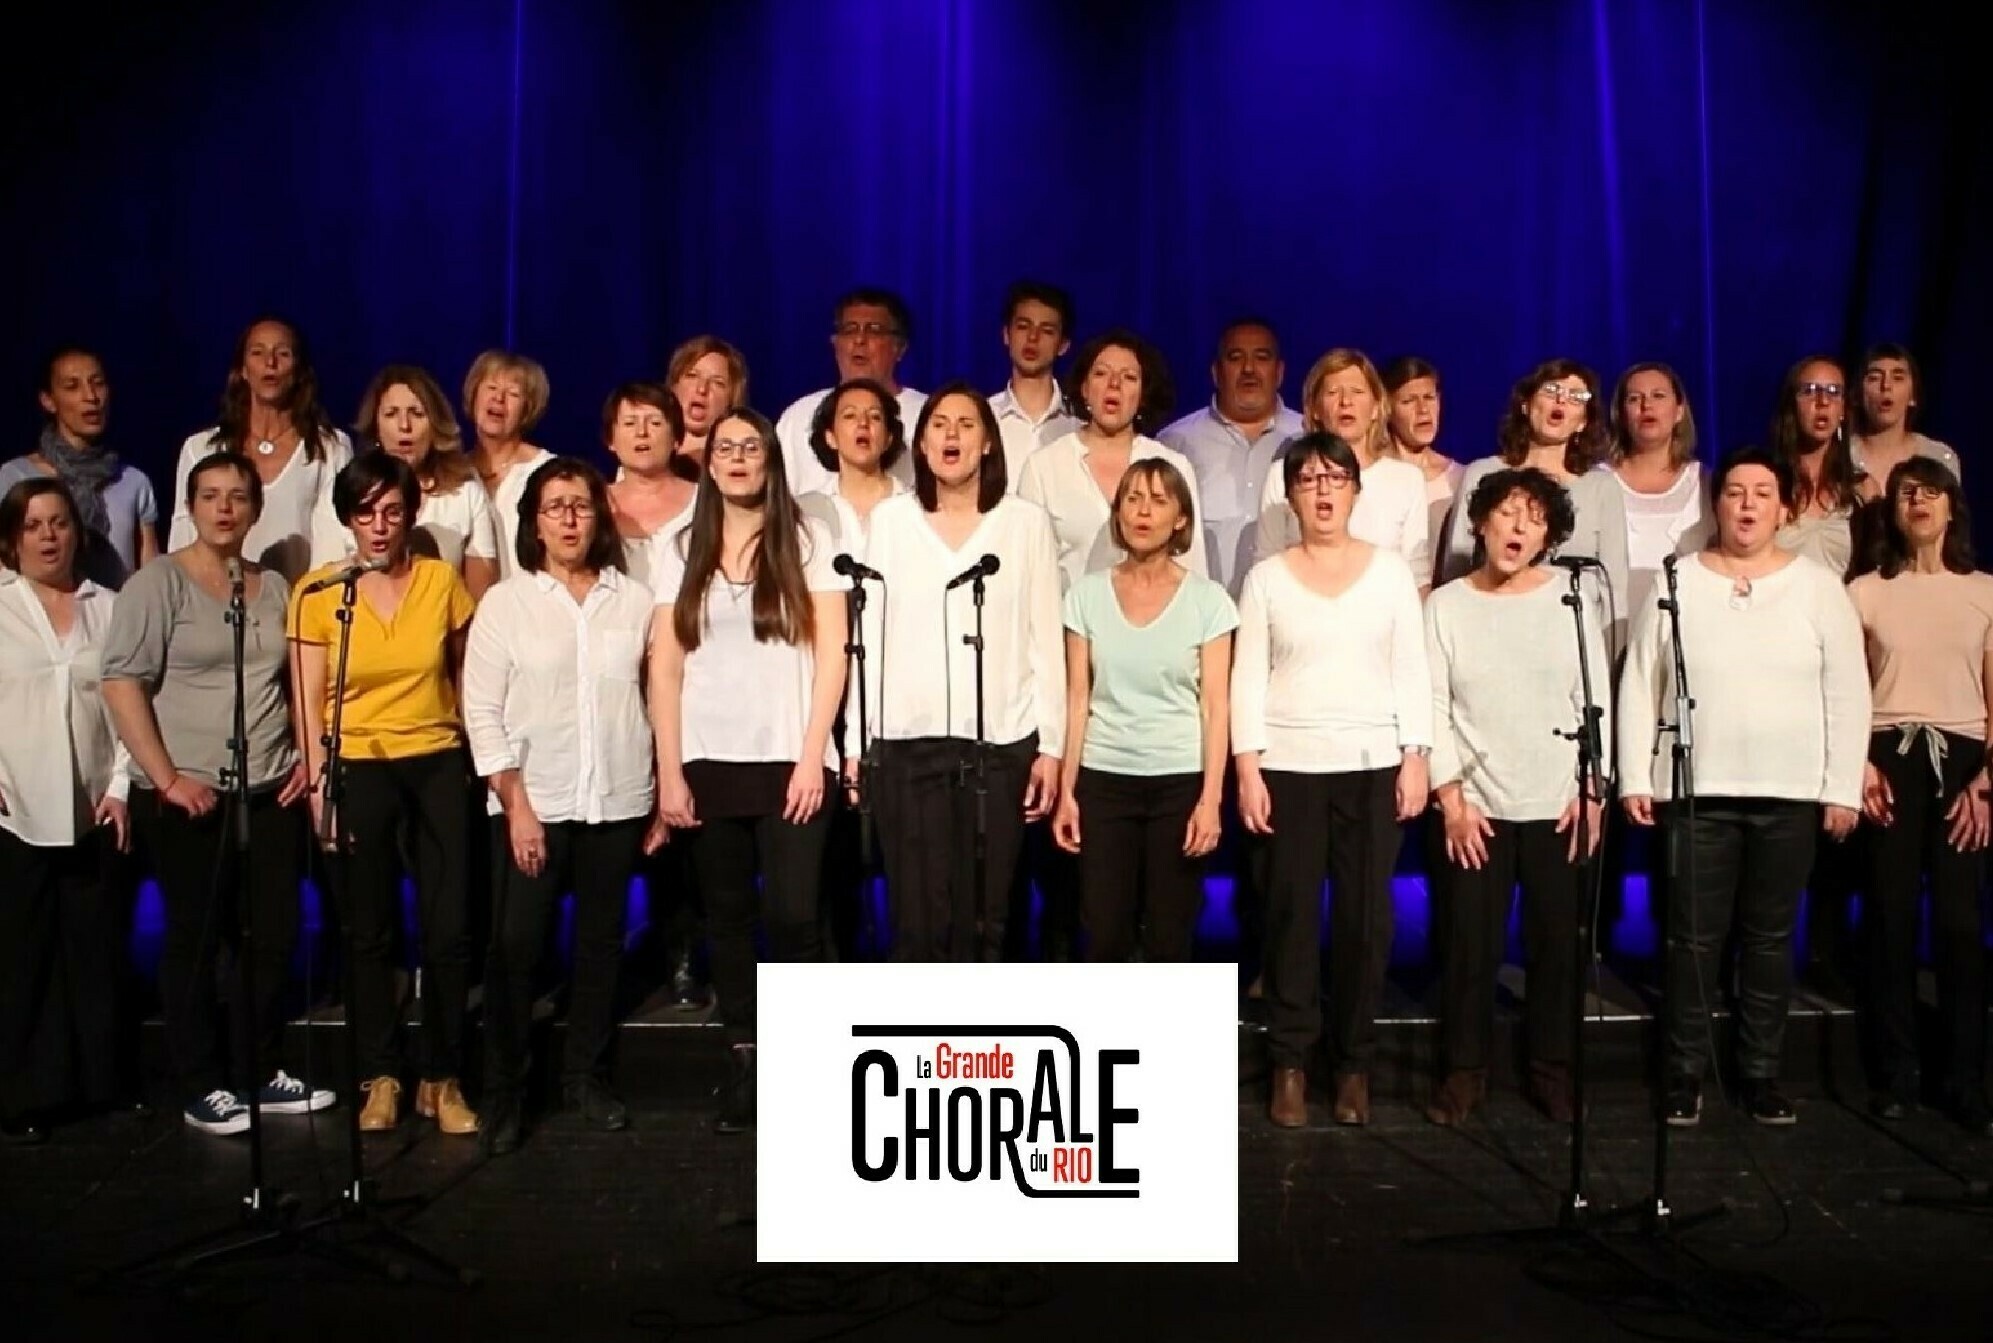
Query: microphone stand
{"points": [[854, 649], [977, 771]]}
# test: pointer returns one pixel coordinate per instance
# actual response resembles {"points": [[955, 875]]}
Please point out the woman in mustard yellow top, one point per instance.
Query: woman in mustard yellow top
{"points": [[402, 753]]}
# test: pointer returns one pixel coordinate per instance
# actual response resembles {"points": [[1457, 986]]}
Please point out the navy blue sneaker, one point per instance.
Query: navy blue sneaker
{"points": [[285, 1095], [220, 1111]]}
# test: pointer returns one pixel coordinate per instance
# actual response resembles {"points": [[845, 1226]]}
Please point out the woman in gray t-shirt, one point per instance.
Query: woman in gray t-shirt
{"points": [[169, 679]]}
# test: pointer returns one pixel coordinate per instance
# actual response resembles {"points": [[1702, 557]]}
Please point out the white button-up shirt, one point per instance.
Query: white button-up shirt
{"points": [[554, 689], [837, 513], [1231, 474], [1058, 480], [1023, 435], [806, 474], [59, 755]]}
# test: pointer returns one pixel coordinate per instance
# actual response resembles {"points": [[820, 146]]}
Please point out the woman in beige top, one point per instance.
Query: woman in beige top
{"points": [[1927, 617], [1810, 434]]}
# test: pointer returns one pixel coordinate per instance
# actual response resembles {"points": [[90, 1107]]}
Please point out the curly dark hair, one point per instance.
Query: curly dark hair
{"points": [[1552, 498], [826, 416], [1586, 447], [1158, 392]]}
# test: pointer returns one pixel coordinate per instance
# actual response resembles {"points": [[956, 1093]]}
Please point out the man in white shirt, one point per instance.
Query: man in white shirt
{"points": [[868, 335], [1233, 443], [1031, 410]]}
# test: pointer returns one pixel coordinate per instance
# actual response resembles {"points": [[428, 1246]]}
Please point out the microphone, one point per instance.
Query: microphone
{"points": [[847, 567], [235, 573], [982, 568], [1577, 563], [347, 575], [1669, 561]]}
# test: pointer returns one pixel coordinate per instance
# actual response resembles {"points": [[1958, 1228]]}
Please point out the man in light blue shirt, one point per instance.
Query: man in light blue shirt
{"points": [[1233, 442]]}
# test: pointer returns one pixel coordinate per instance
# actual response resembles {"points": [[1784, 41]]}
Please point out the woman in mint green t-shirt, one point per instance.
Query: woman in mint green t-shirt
{"points": [[1148, 668]]}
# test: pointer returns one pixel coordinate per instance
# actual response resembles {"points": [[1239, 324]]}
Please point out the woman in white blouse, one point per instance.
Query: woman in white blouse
{"points": [[1122, 390], [747, 670], [1503, 652], [553, 706], [651, 497], [1345, 396], [406, 415], [1810, 435], [270, 415], [63, 784], [1653, 456], [1773, 653], [1148, 725], [858, 437], [1556, 424], [1331, 727], [920, 682], [505, 395]]}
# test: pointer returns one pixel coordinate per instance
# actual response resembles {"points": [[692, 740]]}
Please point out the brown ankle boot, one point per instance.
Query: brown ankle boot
{"points": [[443, 1101], [383, 1108], [1290, 1098], [1353, 1098], [1550, 1091], [1458, 1097]]}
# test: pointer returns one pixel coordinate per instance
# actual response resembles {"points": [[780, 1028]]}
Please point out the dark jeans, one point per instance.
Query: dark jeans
{"points": [[727, 855], [1345, 827], [61, 968], [377, 796], [1471, 920], [1135, 883], [595, 862], [1915, 846], [1749, 857], [203, 891], [925, 806]]}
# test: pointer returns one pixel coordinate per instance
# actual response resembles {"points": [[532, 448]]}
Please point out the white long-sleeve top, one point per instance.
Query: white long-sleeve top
{"points": [[554, 689], [1330, 685], [1505, 679], [59, 753], [1057, 479], [1391, 512], [920, 676], [1780, 684], [282, 536]]}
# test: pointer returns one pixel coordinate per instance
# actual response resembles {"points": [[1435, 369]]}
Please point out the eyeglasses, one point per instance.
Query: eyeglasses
{"points": [[1820, 391], [1309, 481], [573, 509], [1916, 492], [389, 513], [869, 330], [743, 449], [1576, 396]]}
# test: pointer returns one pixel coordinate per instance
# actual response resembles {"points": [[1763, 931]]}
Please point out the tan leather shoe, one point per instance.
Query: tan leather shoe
{"points": [[1458, 1097], [1289, 1108], [1353, 1099], [444, 1102], [383, 1109]]}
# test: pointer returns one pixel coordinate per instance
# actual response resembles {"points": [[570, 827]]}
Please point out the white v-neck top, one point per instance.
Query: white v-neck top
{"points": [[59, 755], [282, 536], [920, 675]]}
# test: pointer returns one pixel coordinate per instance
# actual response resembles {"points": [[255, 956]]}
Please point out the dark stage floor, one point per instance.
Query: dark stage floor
{"points": [[642, 1235]]}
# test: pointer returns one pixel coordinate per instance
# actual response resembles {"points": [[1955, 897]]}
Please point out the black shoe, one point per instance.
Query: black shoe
{"points": [[501, 1127], [1766, 1104], [22, 1133], [598, 1106], [1972, 1112], [737, 1095], [1682, 1108]]}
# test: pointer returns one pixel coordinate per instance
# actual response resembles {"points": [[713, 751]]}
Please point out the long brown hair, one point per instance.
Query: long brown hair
{"points": [[1681, 441], [307, 414], [782, 612], [447, 465], [1837, 463]]}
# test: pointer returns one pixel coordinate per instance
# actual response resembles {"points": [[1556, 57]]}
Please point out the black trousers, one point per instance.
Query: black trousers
{"points": [[1136, 886], [1750, 857], [596, 863], [203, 890], [1471, 919], [727, 856], [1345, 827], [377, 796], [925, 807], [1914, 848], [61, 967]]}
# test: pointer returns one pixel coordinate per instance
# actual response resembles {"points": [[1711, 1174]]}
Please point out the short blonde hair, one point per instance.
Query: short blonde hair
{"points": [[492, 363], [1335, 361], [1156, 471]]}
